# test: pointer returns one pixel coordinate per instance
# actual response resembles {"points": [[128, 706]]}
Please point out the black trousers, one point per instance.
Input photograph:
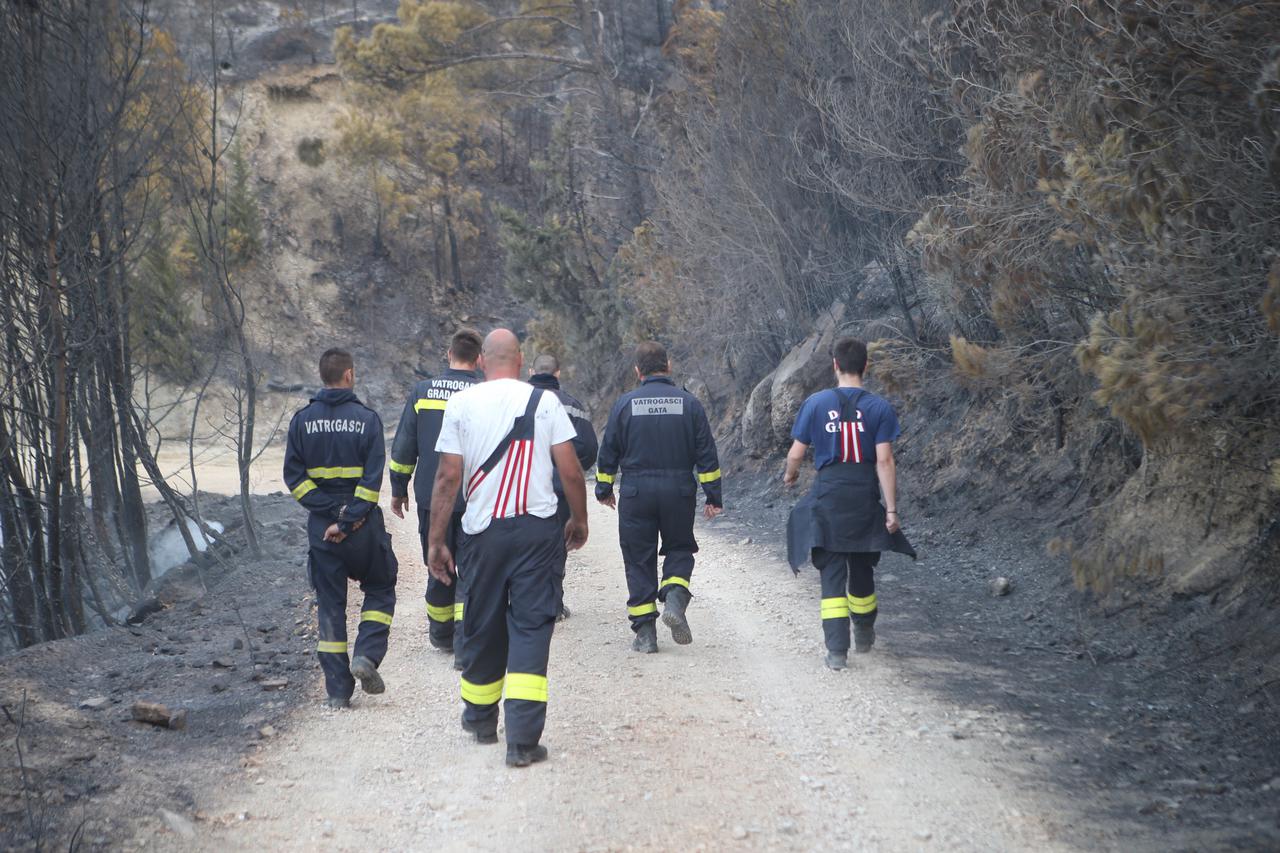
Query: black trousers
{"points": [[512, 593], [848, 591], [444, 605], [653, 508], [366, 557]]}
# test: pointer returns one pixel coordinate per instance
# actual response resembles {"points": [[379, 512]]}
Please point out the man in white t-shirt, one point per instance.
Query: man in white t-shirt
{"points": [[498, 441]]}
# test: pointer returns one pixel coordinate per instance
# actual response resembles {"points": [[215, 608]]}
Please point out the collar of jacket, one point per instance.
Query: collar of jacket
{"points": [[545, 380], [335, 396], [459, 372], [661, 377]]}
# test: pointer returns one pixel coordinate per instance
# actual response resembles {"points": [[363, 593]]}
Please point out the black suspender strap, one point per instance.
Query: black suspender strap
{"points": [[522, 428]]}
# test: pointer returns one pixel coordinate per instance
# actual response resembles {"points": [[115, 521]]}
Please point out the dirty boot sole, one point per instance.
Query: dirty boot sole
{"points": [[646, 640], [837, 661], [863, 639], [523, 756], [370, 681], [444, 644], [679, 626]]}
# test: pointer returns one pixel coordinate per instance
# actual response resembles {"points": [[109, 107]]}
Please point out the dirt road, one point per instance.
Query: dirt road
{"points": [[742, 739]]}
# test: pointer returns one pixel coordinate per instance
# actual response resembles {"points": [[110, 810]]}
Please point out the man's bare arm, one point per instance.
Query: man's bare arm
{"points": [[575, 492], [444, 492], [795, 456], [887, 473]]}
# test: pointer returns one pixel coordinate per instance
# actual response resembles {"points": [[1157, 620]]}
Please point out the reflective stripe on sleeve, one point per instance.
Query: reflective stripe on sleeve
{"points": [[332, 647], [525, 685], [401, 468], [303, 488], [835, 608], [457, 612], [862, 605], [425, 405], [375, 616], [602, 477], [441, 614], [367, 494], [676, 582], [339, 473], [643, 609], [709, 477], [481, 694]]}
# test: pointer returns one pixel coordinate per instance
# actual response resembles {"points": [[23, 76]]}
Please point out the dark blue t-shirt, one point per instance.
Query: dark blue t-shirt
{"points": [[818, 425]]}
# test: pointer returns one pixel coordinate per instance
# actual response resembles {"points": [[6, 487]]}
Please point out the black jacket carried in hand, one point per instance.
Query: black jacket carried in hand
{"points": [[584, 444], [413, 450], [333, 458], [659, 428]]}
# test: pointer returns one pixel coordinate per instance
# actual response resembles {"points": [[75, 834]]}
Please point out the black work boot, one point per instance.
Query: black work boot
{"points": [[564, 613], [363, 669], [837, 660], [486, 731], [523, 756], [337, 703], [646, 640], [864, 636], [440, 640], [673, 615]]}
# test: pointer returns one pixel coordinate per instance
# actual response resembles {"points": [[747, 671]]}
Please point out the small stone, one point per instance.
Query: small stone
{"points": [[739, 833], [96, 703], [746, 540], [219, 685], [1001, 586], [923, 834], [787, 827], [267, 731], [274, 683], [237, 644], [224, 663], [159, 715], [178, 824]]}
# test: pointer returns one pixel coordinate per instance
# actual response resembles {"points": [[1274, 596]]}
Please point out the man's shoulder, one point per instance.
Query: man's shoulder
{"points": [[571, 402]]}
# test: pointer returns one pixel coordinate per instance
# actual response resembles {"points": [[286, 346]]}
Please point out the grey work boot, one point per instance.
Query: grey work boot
{"points": [[837, 660], [673, 615], [523, 756], [646, 640], [363, 669], [337, 703], [485, 731], [864, 637], [564, 613]]}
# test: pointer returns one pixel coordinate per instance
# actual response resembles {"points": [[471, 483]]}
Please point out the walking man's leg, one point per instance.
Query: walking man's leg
{"points": [[440, 626], [329, 579], [834, 570], [638, 538], [379, 587], [675, 524], [530, 621], [862, 599], [484, 632]]}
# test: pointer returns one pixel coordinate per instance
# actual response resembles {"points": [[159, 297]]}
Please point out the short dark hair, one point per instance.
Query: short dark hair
{"points": [[465, 346], [651, 357], [850, 355], [546, 363], [333, 364]]}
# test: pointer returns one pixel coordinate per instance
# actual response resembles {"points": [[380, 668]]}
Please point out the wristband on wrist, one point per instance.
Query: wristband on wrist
{"points": [[890, 512]]}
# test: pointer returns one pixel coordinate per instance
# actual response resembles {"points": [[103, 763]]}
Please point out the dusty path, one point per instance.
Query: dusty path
{"points": [[740, 740]]}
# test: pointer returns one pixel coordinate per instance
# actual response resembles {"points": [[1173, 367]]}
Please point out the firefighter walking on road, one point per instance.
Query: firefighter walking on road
{"points": [[413, 454], [545, 374], [333, 467], [655, 443], [501, 439], [841, 524]]}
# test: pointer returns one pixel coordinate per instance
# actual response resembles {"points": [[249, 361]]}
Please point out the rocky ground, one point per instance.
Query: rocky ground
{"points": [[1030, 720]]}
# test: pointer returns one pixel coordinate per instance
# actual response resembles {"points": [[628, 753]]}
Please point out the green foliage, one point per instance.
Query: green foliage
{"points": [[243, 221], [311, 152], [161, 326]]}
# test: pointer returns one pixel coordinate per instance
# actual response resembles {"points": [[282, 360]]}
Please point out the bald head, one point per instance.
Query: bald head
{"points": [[500, 357]]}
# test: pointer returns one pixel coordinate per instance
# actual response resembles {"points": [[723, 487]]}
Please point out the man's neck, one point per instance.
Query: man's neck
{"points": [[457, 365], [491, 374], [847, 380]]}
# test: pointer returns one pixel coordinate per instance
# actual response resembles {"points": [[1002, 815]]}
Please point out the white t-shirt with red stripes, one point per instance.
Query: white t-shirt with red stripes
{"points": [[475, 420]]}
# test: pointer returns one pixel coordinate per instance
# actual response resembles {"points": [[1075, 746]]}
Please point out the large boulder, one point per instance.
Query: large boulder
{"points": [[803, 371], [757, 427]]}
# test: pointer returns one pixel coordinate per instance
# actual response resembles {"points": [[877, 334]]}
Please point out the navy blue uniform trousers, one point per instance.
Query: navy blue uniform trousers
{"points": [[653, 507]]}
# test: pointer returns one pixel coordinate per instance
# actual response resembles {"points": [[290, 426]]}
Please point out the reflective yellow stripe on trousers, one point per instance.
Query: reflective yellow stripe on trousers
{"points": [[457, 611], [481, 694], [441, 614], [643, 609], [835, 608], [862, 605], [375, 616], [332, 647], [526, 685], [676, 581]]}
